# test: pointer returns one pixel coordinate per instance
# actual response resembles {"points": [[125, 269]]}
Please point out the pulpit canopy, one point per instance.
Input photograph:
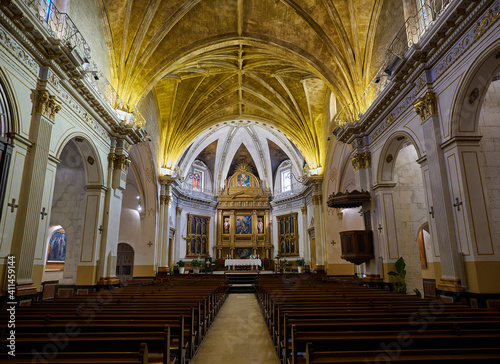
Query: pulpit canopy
{"points": [[348, 199]]}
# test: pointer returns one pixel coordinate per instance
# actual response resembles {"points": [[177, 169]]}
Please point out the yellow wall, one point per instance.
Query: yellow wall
{"points": [[37, 276], [483, 277], [86, 275], [433, 271], [144, 270]]}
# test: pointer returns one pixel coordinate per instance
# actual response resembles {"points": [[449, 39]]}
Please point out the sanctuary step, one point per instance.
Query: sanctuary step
{"points": [[241, 282]]}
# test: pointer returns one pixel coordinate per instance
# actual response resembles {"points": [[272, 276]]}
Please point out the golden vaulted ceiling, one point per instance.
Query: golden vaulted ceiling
{"points": [[275, 62]]}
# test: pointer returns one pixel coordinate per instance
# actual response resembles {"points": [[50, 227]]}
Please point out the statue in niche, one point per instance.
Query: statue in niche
{"points": [[260, 226], [226, 225]]}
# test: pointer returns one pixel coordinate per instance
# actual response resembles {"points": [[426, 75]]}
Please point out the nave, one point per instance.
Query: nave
{"points": [[238, 335]]}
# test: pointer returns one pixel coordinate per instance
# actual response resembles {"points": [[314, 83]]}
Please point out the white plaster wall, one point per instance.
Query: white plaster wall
{"points": [[68, 206], [411, 213], [489, 128]]}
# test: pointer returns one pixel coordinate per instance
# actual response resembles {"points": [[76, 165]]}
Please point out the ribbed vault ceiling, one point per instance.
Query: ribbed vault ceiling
{"points": [[210, 61]]}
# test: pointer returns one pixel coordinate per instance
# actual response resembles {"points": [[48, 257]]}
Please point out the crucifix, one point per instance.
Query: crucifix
{"points": [[457, 204], [43, 213], [100, 229], [379, 228], [432, 211], [150, 243], [13, 205]]}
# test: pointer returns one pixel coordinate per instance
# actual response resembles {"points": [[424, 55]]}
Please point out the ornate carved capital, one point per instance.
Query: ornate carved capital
{"points": [[47, 105], [165, 200], [303, 209], [426, 106], [118, 162], [178, 210], [361, 160], [316, 199]]}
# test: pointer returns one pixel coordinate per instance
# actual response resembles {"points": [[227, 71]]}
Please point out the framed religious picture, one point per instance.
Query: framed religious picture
{"points": [[243, 224], [243, 180], [57, 246]]}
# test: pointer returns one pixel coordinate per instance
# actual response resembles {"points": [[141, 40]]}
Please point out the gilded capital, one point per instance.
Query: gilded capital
{"points": [[316, 199], [165, 199], [426, 106], [303, 209], [361, 160], [47, 105], [178, 210]]}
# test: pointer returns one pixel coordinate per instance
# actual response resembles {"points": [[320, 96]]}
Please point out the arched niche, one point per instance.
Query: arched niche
{"points": [[471, 93]]}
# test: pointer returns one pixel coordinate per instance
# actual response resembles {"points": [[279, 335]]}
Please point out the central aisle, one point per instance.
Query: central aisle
{"points": [[238, 335]]}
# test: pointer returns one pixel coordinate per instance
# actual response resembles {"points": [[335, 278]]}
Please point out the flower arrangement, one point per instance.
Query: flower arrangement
{"points": [[180, 263], [253, 256], [300, 262], [196, 263]]}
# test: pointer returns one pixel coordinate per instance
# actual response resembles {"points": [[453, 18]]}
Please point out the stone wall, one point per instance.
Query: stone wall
{"points": [[411, 213], [68, 206], [489, 128]]}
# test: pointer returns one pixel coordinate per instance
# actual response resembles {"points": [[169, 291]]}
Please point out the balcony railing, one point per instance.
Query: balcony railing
{"points": [[294, 191], [408, 35], [61, 27], [203, 193]]}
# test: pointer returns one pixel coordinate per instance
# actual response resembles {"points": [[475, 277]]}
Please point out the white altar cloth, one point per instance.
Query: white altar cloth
{"points": [[239, 262]]}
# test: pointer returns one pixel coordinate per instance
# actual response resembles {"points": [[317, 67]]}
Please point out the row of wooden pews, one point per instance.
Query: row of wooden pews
{"points": [[157, 323], [316, 321]]}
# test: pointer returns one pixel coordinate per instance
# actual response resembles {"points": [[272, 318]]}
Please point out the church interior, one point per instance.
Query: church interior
{"points": [[189, 154]]}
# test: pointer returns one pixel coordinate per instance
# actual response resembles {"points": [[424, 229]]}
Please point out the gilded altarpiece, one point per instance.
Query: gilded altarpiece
{"points": [[288, 237], [197, 236], [243, 220]]}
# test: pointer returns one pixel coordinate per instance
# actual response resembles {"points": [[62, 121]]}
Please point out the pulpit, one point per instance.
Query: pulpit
{"points": [[357, 246]]}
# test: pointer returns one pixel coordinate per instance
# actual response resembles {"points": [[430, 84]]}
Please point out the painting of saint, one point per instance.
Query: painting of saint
{"points": [[260, 226], [226, 225], [57, 246], [243, 180], [243, 224]]}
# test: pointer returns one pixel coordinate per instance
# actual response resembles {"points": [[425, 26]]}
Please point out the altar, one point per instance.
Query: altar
{"points": [[242, 262]]}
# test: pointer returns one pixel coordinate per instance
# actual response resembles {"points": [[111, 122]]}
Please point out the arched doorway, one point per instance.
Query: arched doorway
{"points": [[67, 214], [125, 262], [411, 212], [403, 207], [5, 143]]}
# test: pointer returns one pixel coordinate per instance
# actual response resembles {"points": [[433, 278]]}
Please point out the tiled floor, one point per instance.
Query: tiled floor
{"points": [[238, 335]]}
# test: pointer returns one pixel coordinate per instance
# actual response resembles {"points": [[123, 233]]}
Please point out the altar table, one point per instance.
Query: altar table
{"points": [[240, 262]]}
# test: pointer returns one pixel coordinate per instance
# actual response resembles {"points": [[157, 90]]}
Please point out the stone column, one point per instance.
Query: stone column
{"points": [[163, 257], [178, 236], [118, 163], [25, 236], [91, 265], [305, 235], [320, 252], [426, 107]]}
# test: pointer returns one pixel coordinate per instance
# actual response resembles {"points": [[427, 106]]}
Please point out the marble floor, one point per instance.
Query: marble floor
{"points": [[238, 335]]}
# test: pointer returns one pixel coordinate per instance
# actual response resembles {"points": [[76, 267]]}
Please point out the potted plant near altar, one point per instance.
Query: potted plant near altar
{"points": [[196, 263], [300, 263], [182, 266]]}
